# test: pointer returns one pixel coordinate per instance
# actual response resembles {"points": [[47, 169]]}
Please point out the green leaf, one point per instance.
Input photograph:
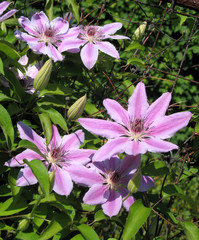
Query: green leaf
{"points": [[41, 173], [134, 45], [7, 127], [75, 9], [136, 61], [3, 97], [27, 235], [172, 189], [88, 232], [27, 144], [55, 117], [55, 89], [137, 216], [12, 206], [130, 87], [156, 168], [49, 9], [47, 126], [3, 226], [91, 109], [9, 50], [1, 67], [99, 215], [191, 231], [59, 222], [78, 237]]}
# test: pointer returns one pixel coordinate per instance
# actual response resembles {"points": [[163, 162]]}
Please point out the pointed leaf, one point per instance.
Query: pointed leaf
{"points": [[88, 232], [191, 231], [9, 50], [47, 126], [55, 89]]}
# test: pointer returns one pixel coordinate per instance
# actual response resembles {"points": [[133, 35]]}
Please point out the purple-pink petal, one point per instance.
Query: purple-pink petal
{"points": [[7, 15], [73, 141], [63, 184], [138, 103], [167, 126], [97, 194], [108, 48], [40, 20], [102, 128], [70, 43], [53, 53], [27, 133], [129, 201], [111, 28], [116, 111], [60, 25], [26, 177], [158, 145], [146, 183], [158, 108], [112, 147], [3, 6], [129, 164], [135, 147], [113, 204], [80, 156], [89, 55], [25, 37], [56, 139], [28, 26]]}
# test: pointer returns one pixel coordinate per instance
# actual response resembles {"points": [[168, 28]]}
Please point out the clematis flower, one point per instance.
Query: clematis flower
{"points": [[3, 6], [90, 37], [59, 155], [139, 129], [108, 182], [44, 36]]}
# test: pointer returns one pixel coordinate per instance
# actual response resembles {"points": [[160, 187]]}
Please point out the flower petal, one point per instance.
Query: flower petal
{"points": [[53, 53], [25, 37], [129, 201], [147, 183], [135, 147], [110, 28], [28, 26], [56, 139], [157, 145], [27, 133], [17, 161], [102, 128], [113, 204], [108, 48], [40, 21], [3, 6], [129, 163], [7, 15], [89, 55], [73, 141], [116, 112], [26, 177], [112, 147], [158, 108], [60, 25], [63, 184], [70, 44], [84, 176], [80, 156], [97, 194], [167, 126], [138, 103]]}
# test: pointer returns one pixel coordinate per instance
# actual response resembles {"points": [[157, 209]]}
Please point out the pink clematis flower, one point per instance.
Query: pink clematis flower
{"points": [[90, 37], [3, 6], [44, 36], [139, 129], [108, 182], [59, 156]]}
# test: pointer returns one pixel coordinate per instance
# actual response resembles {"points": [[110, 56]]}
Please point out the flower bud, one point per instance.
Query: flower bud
{"points": [[135, 182], [3, 30], [139, 31], [77, 108], [52, 180], [23, 225], [43, 76]]}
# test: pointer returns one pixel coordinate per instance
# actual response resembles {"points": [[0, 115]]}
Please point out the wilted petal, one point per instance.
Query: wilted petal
{"points": [[158, 108], [63, 184], [157, 145], [17, 161], [84, 176], [113, 204], [26, 177], [111, 28], [89, 55], [135, 147], [73, 141], [60, 25], [108, 48], [116, 111], [146, 183], [129, 164], [102, 128], [112, 147], [27, 133], [167, 126], [97, 194], [138, 103]]}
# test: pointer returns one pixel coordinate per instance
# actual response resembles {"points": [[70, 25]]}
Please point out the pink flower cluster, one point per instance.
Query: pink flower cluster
{"points": [[134, 131], [53, 38]]}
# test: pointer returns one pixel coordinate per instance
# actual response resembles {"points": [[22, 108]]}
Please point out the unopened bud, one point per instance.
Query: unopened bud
{"points": [[3, 30], [135, 182], [43, 76], [139, 31], [77, 108], [52, 180], [23, 225]]}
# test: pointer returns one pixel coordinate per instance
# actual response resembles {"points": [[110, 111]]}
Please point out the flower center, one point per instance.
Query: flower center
{"points": [[56, 156], [90, 34], [91, 31], [49, 35], [113, 178], [137, 129]]}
